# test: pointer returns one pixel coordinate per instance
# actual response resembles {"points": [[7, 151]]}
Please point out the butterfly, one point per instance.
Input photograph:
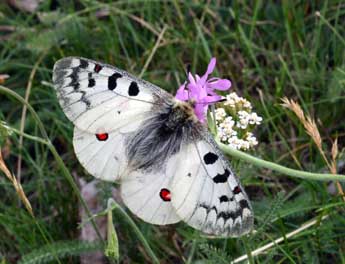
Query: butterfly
{"points": [[168, 164]]}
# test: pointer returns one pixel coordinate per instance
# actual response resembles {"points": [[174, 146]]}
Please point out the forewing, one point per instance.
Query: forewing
{"points": [[207, 195], [148, 194], [97, 96]]}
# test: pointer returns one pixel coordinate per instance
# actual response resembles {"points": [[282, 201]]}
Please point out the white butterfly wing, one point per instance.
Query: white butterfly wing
{"points": [[207, 195], [104, 103], [102, 154], [98, 97], [148, 194], [193, 183]]}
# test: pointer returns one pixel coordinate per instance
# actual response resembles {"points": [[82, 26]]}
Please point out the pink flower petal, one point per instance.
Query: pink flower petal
{"points": [[202, 90], [194, 91], [181, 93], [210, 91], [220, 84], [199, 111], [211, 99], [209, 70], [211, 66], [191, 78]]}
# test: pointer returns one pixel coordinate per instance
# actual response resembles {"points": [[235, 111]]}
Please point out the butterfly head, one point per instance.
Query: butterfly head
{"points": [[183, 111]]}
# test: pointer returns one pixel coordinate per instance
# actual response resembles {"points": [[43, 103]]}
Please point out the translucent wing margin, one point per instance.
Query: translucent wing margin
{"points": [[97, 96]]}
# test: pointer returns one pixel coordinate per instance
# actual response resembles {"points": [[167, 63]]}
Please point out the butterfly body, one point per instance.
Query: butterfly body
{"points": [[169, 166], [161, 136], [181, 115]]}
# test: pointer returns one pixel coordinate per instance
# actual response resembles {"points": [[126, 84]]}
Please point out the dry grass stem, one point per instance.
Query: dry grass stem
{"points": [[335, 150], [159, 39], [312, 130], [23, 117], [308, 123], [264, 248], [333, 168], [16, 185]]}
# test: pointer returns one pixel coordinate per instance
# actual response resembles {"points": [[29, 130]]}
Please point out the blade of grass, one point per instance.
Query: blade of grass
{"points": [[264, 248], [56, 155], [135, 229], [248, 46], [334, 30]]}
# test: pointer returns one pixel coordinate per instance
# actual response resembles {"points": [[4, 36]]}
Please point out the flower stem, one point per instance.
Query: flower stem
{"points": [[279, 168]]}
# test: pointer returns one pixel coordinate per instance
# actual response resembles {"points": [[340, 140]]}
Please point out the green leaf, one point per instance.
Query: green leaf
{"points": [[112, 249]]}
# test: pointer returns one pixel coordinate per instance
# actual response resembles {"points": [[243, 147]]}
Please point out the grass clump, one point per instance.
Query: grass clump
{"points": [[269, 50]]}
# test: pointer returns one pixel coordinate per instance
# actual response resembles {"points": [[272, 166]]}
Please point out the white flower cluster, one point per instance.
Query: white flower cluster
{"points": [[235, 101], [236, 121], [246, 119]]}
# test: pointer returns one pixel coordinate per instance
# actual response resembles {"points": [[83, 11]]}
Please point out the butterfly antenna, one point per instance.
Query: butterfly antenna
{"points": [[188, 68]]}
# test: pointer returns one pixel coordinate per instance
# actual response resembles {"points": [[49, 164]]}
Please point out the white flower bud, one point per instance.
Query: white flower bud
{"points": [[220, 114]]}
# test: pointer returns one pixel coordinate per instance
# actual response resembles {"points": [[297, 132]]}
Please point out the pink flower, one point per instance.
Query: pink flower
{"points": [[202, 90]]}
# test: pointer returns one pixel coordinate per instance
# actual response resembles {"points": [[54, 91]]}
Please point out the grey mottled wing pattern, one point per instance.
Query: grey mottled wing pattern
{"points": [[96, 96]]}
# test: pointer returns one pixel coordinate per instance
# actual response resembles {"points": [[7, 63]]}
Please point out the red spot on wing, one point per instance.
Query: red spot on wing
{"points": [[237, 190], [98, 68], [165, 195], [102, 136]]}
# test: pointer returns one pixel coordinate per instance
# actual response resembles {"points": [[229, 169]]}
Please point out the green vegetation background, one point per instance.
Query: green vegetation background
{"points": [[269, 49]]}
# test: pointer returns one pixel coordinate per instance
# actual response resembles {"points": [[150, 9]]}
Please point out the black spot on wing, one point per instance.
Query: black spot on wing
{"points": [[244, 204], [112, 80], [210, 158], [83, 64], [224, 199], [92, 82], [74, 78], [229, 215], [222, 178], [223, 214], [133, 89]]}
